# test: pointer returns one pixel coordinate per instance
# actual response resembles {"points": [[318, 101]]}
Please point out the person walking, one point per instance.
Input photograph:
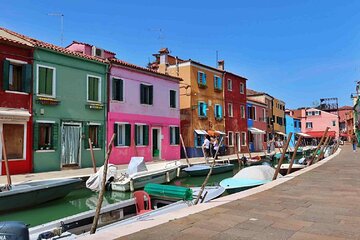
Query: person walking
{"points": [[216, 147], [206, 147], [354, 141]]}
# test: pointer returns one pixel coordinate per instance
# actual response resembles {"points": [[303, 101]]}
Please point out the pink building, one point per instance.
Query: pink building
{"points": [[143, 110], [315, 121]]}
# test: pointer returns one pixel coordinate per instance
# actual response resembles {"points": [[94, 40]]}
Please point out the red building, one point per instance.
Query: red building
{"points": [[15, 102], [235, 111]]}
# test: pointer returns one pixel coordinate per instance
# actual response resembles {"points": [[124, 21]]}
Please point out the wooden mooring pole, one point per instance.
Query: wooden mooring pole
{"points": [[318, 146], [294, 154], [102, 190], [92, 156], [282, 156], [6, 160], [184, 148], [322, 152]]}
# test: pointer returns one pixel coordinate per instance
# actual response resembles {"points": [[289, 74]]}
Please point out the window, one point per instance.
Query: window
{"points": [[14, 136], [201, 78], [174, 135], [142, 135], [243, 139], [45, 136], [242, 88], [229, 85], [172, 99], [242, 111], [17, 76], [254, 112], [230, 110], [94, 135], [309, 125], [230, 138], [146, 94], [217, 83], [279, 120], [46, 81], [122, 133], [199, 139], [118, 89], [334, 123], [97, 52], [218, 111], [202, 107], [93, 89], [264, 115], [299, 124]]}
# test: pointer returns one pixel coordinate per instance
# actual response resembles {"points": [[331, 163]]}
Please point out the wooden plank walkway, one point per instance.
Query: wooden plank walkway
{"points": [[323, 203]]}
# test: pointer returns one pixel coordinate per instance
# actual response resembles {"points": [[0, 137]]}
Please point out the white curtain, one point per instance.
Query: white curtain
{"points": [[70, 144]]}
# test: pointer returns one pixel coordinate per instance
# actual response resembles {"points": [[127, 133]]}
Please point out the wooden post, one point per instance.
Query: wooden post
{"points": [[6, 160], [183, 145], [247, 146], [208, 176], [322, 152], [101, 193], [92, 156], [282, 156], [237, 153], [294, 154], [318, 146]]}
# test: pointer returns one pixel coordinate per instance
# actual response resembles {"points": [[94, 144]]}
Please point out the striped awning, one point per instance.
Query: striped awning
{"points": [[256, 130]]}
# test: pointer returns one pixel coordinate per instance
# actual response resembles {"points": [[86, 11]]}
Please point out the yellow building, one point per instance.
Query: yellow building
{"points": [[279, 118], [201, 98]]}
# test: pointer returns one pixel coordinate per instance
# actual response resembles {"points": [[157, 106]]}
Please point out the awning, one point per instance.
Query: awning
{"points": [[220, 132], [201, 132], [319, 134], [303, 134], [256, 130], [281, 133], [14, 114], [215, 132]]}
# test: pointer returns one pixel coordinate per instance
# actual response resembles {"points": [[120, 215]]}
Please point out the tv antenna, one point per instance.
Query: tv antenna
{"points": [[161, 36], [62, 24]]}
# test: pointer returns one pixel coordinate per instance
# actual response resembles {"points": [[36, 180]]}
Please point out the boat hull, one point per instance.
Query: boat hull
{"points": [[37, 195], [194, 172], [233, 185]]}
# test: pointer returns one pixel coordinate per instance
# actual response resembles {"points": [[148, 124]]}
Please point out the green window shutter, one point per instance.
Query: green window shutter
{"points": [[151, 95], [100, 136], [177, 135], [6, 67], [146, 134], [55, 135], [116, 134], [170, 131], [27, 76], [41, 77], [215, 82], [142, 93], [36, 136], [198, 77], [204, 78], [86, 134], [127, 134], [96, 89], [114, 89], [135, 138], [49, 81], [121, 90]]}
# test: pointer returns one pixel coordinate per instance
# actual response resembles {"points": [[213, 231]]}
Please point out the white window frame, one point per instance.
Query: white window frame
{"points": [[172, 129], [264, 114], [230, 107], [307, 126], [53, 81], [254, 113], [243, 143], [242, 111], [229, 84], [141, 134], [24, 143], [124, 132], [87, 88], [242, 88], [232, 138]]}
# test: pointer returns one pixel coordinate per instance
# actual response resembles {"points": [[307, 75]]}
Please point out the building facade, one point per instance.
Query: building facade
{"points": [[293, 125], [257, 125], [201, 99], [278, 118], [235, 112], [15, 102], [345, 113]]}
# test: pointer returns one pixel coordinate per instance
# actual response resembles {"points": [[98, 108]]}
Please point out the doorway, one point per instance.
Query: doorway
{"points": [[70, 144], [156, 143]]}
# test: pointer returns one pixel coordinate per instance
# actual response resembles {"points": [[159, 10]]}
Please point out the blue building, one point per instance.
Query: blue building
{"points": [[292, 125]]}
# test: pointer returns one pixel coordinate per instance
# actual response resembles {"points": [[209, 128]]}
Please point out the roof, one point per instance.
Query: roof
{"points": [[88, 44], [12, 41], [255, 101], [237, 75], [130, 65], [345, 108], [250, 92], [38, 43]]}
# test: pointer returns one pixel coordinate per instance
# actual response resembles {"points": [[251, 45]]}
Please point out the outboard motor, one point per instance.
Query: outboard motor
{"points": [[13, 230]]}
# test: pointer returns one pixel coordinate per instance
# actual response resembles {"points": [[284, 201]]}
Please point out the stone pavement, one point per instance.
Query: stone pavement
{"points": [[323, 203]]}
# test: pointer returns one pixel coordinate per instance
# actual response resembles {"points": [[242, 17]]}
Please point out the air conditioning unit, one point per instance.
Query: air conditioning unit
{"points": [[97, 52]]}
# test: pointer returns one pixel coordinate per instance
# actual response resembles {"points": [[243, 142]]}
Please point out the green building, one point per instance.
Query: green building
{"points": [[68, 107]]}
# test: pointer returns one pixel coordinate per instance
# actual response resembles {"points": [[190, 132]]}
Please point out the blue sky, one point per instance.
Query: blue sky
{"points": [[298, 51]]}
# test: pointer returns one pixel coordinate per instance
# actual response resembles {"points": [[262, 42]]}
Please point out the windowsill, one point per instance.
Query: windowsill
{"points": [[117, 101], [202, 85], [203, 117], [122, 146], [45, 96], [45, 151], [217, 89], [174, 145], [146, 105], [16, 92], [94, 149], [19, 159], [141, 145], [93, 102], [230, 90]]}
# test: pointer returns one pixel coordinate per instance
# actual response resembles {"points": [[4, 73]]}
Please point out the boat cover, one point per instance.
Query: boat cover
{"points": [[94, 181], [169, 191], [198, 167], [137, 164], [260, 172]]}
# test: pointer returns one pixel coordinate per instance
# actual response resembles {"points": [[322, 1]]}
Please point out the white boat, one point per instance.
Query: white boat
{"points": [[285, 166], [138, 174]]}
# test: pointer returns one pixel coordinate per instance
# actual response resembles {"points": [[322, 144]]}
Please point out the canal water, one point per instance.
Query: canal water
{"points": [[82, 200]]}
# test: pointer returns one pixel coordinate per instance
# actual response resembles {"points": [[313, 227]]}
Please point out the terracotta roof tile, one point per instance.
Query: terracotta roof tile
{"points": [[53, 47], [14, 41]]}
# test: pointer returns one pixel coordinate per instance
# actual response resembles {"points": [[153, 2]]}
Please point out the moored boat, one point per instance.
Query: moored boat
{"points": [[33, 193], [203, 169], [285, 166]]}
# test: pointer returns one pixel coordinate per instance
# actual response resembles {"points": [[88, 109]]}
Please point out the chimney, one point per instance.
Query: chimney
{"points": [[164, 52], [221, 65]]}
